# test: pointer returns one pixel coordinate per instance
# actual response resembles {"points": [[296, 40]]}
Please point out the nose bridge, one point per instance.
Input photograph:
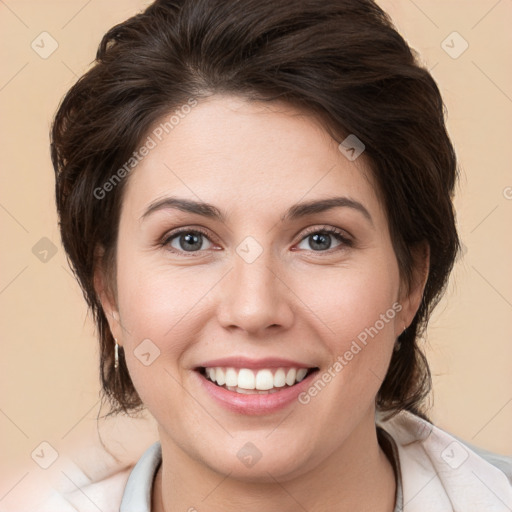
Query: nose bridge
{"points": [[256, 298]]}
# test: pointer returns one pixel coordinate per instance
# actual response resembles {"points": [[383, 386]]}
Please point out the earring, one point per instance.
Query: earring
{"points": [[116, 355]]}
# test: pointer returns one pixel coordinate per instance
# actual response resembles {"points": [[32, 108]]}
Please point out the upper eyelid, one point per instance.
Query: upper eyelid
{"points": [[178, 231], [325, 228]]}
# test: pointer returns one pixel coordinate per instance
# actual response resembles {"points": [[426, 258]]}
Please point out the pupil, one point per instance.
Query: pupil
{"points": [[190, 239], [319, 239]]}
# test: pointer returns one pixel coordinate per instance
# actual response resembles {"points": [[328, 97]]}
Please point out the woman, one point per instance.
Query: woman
{"points": [[256, 198]]}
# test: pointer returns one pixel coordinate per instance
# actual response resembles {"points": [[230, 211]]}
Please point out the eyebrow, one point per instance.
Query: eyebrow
{"points": [[300, 210], [295, 212]]}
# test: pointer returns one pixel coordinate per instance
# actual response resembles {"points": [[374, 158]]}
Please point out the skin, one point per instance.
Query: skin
{"points": [[253, 161]]}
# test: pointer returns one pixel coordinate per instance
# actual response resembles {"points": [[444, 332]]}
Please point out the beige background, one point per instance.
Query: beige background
{"points": [[49, 370]]}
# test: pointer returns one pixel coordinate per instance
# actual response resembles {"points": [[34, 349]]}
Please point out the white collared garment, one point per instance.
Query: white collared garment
{"points": [[436, 472]]}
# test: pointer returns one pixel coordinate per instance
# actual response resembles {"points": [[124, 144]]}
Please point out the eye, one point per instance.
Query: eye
{"points": [[320, 240], [192, 241], [187, 240]]}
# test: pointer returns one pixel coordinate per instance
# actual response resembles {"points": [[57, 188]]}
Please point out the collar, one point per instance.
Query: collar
{"points": [[435, 471], [137, 493]]}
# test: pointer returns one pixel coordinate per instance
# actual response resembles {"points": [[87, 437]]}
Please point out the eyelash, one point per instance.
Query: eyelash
{"points": [[167, 240], [336, 233]]}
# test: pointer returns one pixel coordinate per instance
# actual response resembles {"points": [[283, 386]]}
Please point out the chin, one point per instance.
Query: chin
{"points": [[261, 460]]}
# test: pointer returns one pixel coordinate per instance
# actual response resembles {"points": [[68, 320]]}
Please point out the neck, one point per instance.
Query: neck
{"points": [[357, 476]]}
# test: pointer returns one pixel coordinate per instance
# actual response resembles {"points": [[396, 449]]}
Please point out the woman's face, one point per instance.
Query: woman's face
{"points": [[257, 287]]}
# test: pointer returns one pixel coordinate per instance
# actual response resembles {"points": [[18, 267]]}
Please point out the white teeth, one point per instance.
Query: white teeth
{"points": [[279, 378], [220, 376], [301, 374], [246, 379], [290, 376], [264, 380], [249, 381], [251, 391], [231, 377]]}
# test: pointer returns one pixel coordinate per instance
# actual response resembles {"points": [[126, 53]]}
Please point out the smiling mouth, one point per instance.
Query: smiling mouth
{"points": [[249, 382]]}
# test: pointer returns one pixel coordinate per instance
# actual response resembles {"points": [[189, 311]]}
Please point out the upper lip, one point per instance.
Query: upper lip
{"points": [[245, 362]]}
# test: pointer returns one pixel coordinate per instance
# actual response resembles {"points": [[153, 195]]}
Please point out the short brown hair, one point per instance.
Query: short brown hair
{"points": [[340, 59]]}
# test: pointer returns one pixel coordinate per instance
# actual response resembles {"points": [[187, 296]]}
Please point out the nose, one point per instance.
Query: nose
{"points": [[254, 298]]}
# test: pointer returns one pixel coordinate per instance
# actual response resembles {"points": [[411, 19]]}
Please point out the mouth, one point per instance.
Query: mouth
{"points": [[251, 381]]}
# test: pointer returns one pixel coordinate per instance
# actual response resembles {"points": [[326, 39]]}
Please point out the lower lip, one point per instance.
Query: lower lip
{"points": [[254, 404]]}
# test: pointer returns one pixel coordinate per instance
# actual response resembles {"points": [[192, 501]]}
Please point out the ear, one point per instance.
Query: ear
{"points": [[412, 293], [107, 296]]}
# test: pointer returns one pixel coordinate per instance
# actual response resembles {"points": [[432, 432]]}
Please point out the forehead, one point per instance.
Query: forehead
{"points": [[244, 155]]}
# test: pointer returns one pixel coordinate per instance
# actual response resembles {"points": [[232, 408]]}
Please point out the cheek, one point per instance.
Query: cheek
{"points": [[351, 301], [156, 298], [362, 319], [359, 312], [163, 311]]}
